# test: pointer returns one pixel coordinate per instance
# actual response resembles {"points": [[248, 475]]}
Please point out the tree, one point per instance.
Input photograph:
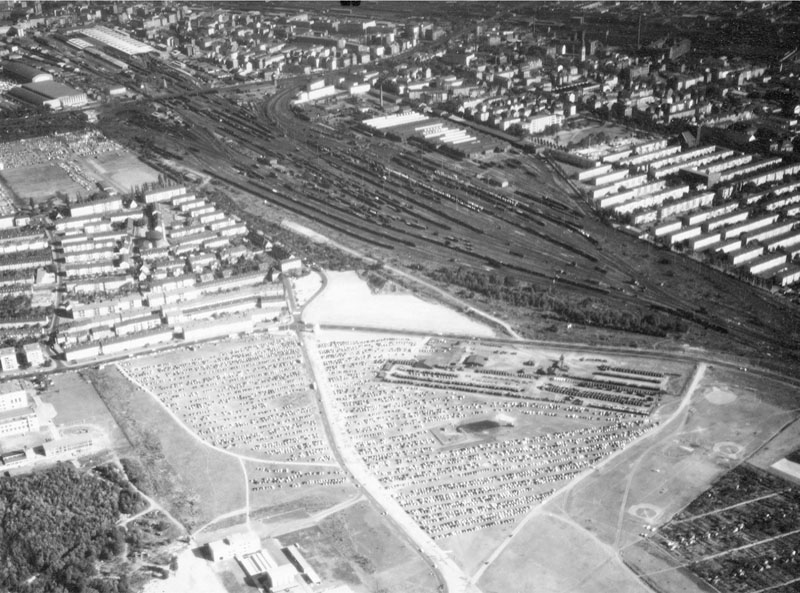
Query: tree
{"points": [[516, 130]]}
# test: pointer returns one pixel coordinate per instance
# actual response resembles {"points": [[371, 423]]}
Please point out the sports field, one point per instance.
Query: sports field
{"points": [[41, 182], [613, 511], [122, 170]]}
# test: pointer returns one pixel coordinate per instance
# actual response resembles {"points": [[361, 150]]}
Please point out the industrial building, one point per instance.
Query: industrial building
{"points": [[117, 42], [24, 73], [54, 95], [270, 564]]}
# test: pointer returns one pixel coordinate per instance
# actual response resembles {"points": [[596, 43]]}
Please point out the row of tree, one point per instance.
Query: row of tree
{"points": [[586, 310]]}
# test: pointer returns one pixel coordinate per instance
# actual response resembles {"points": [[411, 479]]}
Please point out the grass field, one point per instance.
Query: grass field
{"points": [[194, 482], [123, 170], [77, 403], [41, 182], [731, 415], [553, 556], [356, 548]]}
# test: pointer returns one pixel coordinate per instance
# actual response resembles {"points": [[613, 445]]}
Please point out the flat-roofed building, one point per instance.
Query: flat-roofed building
{"points": [[116, 41], [162, 195], [82, 351], [17, 415], [71, 445], [33, 354], [767, 262], [729, 245], [12, 395], [160, 335], [749, 226], [96, 207], [272, 563], [8, 359], [789, 276], [745, 254], [18, 422], [236, 544], [684, 235], [667, 228]]}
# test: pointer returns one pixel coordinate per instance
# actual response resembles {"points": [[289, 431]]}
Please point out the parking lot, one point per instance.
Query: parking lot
{"points": [[463, 457], [249, 396]]}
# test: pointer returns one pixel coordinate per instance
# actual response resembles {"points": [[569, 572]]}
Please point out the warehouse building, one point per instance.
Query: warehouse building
{"points": [[24, 73], [54, 95], [117, 42]]}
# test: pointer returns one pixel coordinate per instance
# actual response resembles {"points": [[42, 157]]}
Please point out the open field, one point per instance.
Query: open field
{"points": [[194, 574], [77, 403], [553, 555], [646, 485], [122, 170], [41, 182], [355, 548], [286, 498], [347, 300], [250, 396], [194, 482]]}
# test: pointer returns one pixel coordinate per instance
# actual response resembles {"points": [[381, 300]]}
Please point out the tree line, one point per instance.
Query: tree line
{"points": [[585, 310]]}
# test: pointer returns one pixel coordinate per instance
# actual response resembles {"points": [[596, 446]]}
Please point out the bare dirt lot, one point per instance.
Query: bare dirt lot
{"points": [[347, 300], [122, 170], [356, 548]]}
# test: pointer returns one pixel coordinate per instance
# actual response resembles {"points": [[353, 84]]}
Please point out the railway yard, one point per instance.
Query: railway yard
{"points": [[594, 410], [534, 250]]}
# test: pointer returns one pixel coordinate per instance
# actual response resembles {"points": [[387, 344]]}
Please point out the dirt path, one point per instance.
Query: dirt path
{"points": [[687, 395], [199, 439]]}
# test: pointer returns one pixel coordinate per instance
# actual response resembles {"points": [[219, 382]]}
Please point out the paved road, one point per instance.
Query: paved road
{"points": [[454, 578]]}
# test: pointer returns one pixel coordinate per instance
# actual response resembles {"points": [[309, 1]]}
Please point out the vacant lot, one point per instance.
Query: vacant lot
{"points": [[558, 556], [78, 403], [194, 482], [356, 548], [347, 300], [122, 170], [41, 182]]}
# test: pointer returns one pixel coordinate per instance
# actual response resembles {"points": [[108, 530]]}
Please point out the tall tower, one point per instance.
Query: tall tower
{"points": [[583, 45], [639, 33]]}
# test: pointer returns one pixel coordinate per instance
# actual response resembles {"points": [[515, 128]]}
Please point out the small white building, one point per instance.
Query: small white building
{"points": [[291, 264], [237, 544], [33, 354], [8, 359]]}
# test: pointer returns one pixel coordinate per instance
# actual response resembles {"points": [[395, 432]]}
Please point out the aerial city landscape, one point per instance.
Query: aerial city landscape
{"points": [[399, 297]]}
